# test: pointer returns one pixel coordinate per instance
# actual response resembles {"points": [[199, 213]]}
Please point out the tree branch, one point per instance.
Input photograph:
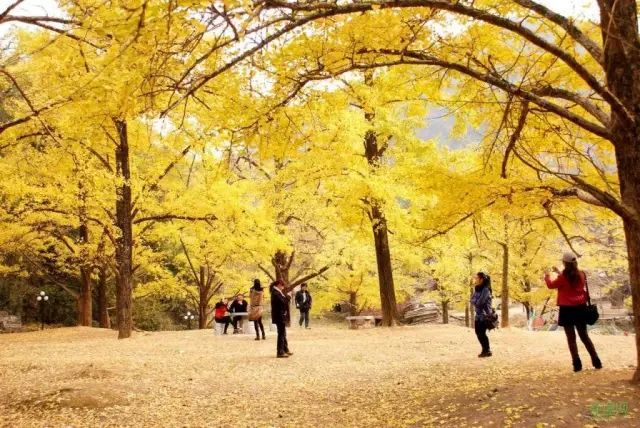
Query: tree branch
{"points": [[567, 25], [547, 207], [271, 277], [418, 58], [186, 253], [166, 217], [514, 138], [307, 278], [460, 8]]}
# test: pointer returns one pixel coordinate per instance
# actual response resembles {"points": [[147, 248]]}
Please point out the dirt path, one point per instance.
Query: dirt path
{"points": [[408, 376]]}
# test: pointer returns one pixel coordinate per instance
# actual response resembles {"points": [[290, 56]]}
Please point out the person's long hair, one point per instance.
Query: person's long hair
{"points": [[256, 285], [486, 281], [572, 273]]}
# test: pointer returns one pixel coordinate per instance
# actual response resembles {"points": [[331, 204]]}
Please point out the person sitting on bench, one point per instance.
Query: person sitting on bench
{"points": [[238, 305], [222, 314]]}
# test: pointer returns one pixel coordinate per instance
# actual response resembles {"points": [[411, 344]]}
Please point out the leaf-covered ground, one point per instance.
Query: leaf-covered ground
{"points": [[406, 376]]}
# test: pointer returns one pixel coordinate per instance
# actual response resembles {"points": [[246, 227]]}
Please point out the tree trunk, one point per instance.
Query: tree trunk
{"points": [[389, 307], [85, 299], [103, 313], [469, 312], [390, 315], [619, 24], [203, 301], [353, 303], [445, 312], [504, 321], [632, 233], [282, 262], [628, 157], [202, 315], [124, 241], [544, 307], [527, 289], [527, 308]]}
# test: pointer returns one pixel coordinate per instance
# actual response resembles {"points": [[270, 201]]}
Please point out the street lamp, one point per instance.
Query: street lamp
{"points": [[42, 299], [188, 318]]}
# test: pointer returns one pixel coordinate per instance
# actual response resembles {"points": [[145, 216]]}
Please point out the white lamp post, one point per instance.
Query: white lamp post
{"points": [[189, 317], [42, 298]]}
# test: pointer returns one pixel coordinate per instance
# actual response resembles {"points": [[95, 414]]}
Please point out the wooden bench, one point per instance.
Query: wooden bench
{"points": [[362, 321]]}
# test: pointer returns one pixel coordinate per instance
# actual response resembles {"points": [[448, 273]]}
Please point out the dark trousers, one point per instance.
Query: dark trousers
{"points": [[304, 317], [225, 321], [283, 346], [570, 331], [258, 325], [481, 333], [235, 322]]}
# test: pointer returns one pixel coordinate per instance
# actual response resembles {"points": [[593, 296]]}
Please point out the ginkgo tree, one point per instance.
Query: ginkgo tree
{"points": [[315, 105]]}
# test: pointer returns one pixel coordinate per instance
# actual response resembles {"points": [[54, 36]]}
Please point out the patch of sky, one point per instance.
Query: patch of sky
{"points": [[439, 126]]}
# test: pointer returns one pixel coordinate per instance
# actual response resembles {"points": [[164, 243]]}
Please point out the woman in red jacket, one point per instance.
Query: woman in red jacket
{"points": [[572, 301], [221, 315]]}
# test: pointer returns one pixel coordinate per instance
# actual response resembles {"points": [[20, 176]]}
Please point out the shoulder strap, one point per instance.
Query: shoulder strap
{"points": [[586, 284]]}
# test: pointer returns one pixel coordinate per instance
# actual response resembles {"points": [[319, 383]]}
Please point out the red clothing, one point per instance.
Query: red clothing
{"points": [[221, 309], [568, 295]]}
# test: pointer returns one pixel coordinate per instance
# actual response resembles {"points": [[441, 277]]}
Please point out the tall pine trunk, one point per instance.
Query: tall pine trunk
{"points": [[124, 241], [619, 24]]}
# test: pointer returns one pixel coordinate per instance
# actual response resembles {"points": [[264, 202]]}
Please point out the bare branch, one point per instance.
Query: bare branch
{"points": [[267, 272], [547, 207], [514, 138], [307, 277], [186, 253]]}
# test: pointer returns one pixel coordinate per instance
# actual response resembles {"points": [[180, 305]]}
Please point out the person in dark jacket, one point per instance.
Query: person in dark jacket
{"points": [[238, 305], [279, 309], [221, 314], [303, 302], [572, 301], [481, 300]]}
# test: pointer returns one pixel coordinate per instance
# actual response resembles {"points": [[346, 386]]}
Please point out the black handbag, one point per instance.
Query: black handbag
{"points": [[591, 314], [491, 320]]}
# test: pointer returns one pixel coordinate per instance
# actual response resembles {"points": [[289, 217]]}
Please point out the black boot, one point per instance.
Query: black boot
{"points": [[257, 337], [264, 337], [597, 364], [577, 365]]}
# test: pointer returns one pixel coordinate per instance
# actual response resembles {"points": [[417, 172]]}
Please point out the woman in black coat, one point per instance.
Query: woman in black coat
{"points": [[279, 309], [481, 299]]}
